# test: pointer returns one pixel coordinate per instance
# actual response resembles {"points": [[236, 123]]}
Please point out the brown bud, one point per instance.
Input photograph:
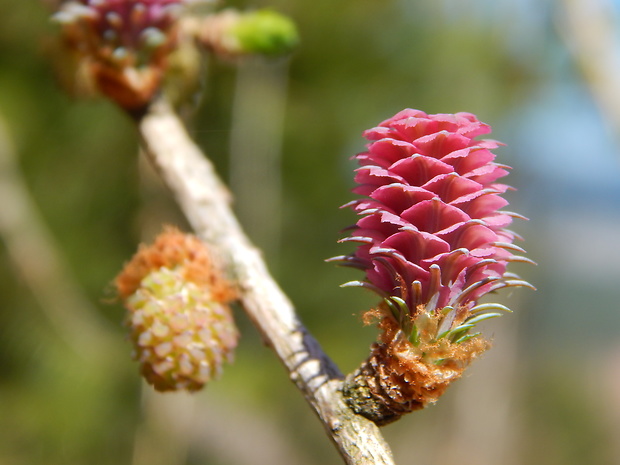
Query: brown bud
{"points": [[399, 377]]}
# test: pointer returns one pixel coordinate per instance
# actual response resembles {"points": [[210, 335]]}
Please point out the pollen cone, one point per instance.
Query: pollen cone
{"points": [[181, 326]]}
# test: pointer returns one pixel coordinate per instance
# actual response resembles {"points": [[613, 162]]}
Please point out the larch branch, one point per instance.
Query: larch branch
{"points": [[205, 202]]}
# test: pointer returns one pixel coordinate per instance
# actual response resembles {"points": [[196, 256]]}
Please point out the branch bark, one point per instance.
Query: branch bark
{"points": [[205, 202]]}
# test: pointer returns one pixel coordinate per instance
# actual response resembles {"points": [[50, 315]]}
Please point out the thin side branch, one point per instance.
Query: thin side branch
{"points": [[205, 202], [589, 31], [36, 257]]}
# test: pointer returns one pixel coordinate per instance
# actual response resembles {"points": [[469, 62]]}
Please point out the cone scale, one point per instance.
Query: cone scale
{"points": [[432, 239]]}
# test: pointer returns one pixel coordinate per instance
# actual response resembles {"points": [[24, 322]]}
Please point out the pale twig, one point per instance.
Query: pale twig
{"points": [[35, 255], [589, 31], [205, 202]]}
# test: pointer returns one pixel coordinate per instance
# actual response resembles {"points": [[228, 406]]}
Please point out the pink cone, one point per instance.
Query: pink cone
{"points": [[431, 230]]}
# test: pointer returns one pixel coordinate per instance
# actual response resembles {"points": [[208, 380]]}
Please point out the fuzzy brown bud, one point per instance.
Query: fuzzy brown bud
{"points": [[401, 376], [121, 47]]}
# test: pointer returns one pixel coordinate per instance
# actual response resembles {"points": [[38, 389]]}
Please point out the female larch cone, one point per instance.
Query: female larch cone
{"points": [[180, 323], [122, 45], [432, 240]]}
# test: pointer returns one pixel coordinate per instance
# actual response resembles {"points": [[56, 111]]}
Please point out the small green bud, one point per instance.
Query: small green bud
{"points": [[265, 32], [231, 33]]}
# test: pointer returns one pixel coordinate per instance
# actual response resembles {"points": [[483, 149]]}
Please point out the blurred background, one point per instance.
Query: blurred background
{"points": [[76, 199]]}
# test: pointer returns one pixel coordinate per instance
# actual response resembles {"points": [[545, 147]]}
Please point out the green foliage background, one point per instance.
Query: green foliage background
{"points": [[359, 62]]}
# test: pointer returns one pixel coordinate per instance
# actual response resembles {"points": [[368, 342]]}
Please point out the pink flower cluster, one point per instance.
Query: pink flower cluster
{"points": [[432, 232], [123, 24], [122, 46]]}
